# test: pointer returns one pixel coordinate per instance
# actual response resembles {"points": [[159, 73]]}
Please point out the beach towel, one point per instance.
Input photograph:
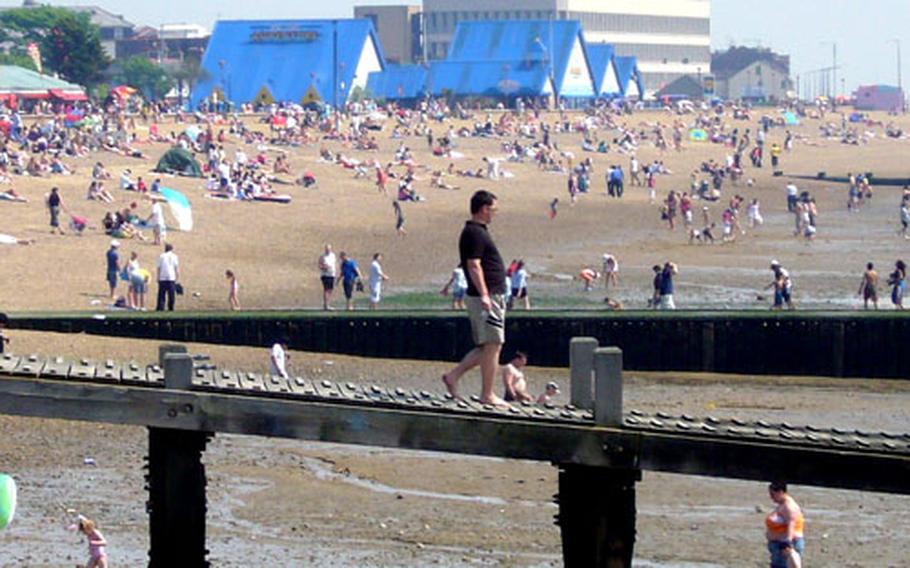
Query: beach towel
{"points": [[698, 135]]}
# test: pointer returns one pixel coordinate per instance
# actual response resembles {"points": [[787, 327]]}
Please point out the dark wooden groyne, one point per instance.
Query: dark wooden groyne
{"points": [[837, 344]]}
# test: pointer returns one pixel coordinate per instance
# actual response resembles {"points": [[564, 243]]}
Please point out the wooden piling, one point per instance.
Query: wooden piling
{"points": [[581, 371], [176, 480], [597, 516], [608, 386]]}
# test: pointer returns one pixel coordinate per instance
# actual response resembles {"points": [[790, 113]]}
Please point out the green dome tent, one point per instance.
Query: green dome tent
{"points": [[179, 161]]}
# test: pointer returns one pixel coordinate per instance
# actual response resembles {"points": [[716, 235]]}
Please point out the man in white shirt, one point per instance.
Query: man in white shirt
{"points": [[635, 171], [168, 275], [278, 357], [377, 276], [327, 269], [792, 192]]}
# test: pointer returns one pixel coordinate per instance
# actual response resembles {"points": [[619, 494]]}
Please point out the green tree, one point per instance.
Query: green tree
{"points": [[70, 44], [24, 25], [72, 48], [145, 75]]}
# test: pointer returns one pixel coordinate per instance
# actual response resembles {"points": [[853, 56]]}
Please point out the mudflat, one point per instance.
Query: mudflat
{"points": [[287, 503]]}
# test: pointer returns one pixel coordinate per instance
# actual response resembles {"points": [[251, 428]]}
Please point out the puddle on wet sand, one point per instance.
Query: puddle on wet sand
{"points": [[324, 471]]}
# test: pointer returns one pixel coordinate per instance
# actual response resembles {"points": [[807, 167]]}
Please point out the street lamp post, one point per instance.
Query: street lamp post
{"points": [[900, 83], [335, 72], [549, 63], [833, 85], [834, 71]]}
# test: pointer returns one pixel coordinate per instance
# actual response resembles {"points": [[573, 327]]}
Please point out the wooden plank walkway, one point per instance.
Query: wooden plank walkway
{"points": [[247, 403]]}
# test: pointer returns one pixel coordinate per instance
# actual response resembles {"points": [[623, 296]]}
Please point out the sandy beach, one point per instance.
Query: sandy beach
{"points": [[273, 248]]}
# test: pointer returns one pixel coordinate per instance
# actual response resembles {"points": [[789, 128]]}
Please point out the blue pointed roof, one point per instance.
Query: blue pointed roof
{"points": [[626, 72], [286, 57], [600, 55], [488, 78], [519, 41], [398, 82]]}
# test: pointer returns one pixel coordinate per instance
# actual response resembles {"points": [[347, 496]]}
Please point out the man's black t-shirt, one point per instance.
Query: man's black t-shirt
{"points": [[53, 199], [475, 242]]}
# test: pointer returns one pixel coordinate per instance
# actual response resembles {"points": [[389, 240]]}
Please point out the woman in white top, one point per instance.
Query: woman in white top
{"points": [[459, 286], [377, 276], [611, 271], [156, 220], [138, 280], [520, 285], [754, 213]]}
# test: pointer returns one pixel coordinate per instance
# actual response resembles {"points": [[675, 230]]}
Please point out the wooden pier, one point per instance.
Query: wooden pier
{"points": [[599, 448]]}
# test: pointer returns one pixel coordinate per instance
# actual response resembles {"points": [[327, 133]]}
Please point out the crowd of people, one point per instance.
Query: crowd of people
{"points": [[527, 133]]}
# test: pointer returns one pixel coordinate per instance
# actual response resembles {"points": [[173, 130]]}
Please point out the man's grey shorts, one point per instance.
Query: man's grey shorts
{"points": [[487, 327]]}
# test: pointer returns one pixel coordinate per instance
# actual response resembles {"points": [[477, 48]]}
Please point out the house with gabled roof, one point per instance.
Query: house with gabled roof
{"points": [[751, 73]]}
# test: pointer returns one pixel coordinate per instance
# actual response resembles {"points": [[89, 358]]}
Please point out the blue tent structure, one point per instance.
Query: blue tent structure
{"points": [[489, 78], [398, 82], [629, 77], [266, 61], [603, 67], [520, 48]]}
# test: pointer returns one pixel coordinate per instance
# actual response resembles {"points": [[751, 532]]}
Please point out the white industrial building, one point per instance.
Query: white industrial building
{"points": [[670, 38]]}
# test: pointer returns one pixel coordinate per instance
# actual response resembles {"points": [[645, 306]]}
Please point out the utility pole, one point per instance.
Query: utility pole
{"points": [[335, 74], [832, 92], [834, 70], [900, 82]]}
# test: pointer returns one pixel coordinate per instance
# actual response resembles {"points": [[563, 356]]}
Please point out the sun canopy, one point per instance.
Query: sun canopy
{"points": [[67, 95], [28, 84]]}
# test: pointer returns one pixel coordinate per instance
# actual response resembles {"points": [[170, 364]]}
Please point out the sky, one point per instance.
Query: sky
{"points": [[863, 30]]}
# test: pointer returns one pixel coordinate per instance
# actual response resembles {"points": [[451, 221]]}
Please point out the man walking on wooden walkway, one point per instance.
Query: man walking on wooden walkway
{"points": [[485, 299]]}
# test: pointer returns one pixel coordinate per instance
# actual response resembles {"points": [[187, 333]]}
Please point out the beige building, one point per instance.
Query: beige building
{"points": [[751, 73], [670, 38], [399, 29]]}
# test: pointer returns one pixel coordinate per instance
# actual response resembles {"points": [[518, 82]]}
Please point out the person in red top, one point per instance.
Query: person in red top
{"points": [[381, 179]]}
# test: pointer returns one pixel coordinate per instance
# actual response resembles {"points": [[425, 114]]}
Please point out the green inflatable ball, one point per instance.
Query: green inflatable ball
{"points": [[7, 500]]}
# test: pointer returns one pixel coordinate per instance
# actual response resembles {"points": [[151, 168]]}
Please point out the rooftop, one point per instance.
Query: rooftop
{"points": [[725, 64]]}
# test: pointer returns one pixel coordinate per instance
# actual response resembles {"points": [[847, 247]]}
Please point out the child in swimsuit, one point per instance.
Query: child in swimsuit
{"points": [[97, 545]]}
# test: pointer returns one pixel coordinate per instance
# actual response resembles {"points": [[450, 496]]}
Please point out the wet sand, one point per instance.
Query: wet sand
{"points": [[297, 503]]}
